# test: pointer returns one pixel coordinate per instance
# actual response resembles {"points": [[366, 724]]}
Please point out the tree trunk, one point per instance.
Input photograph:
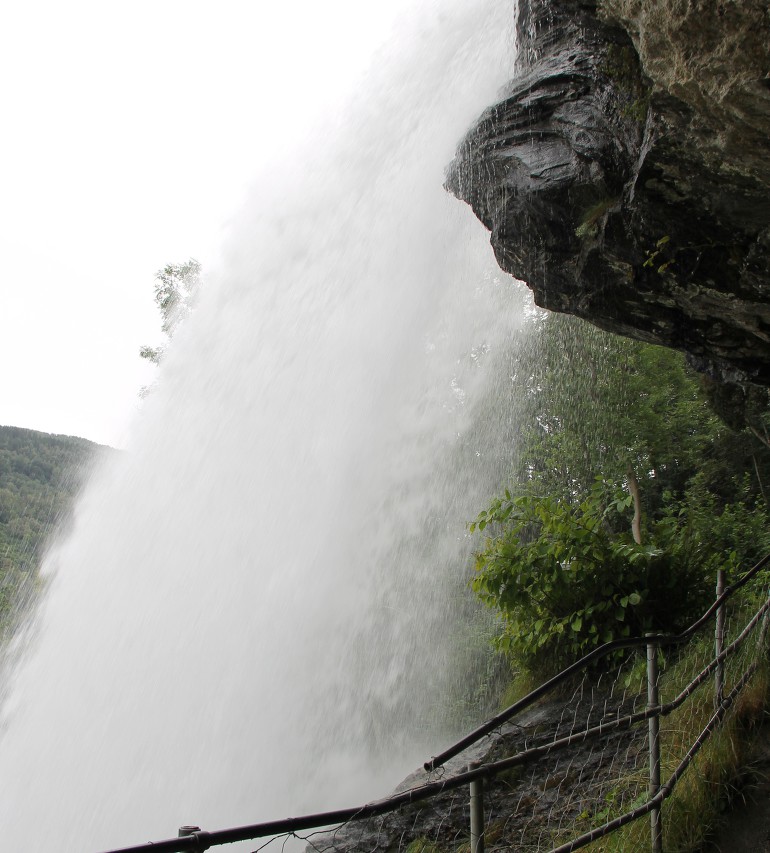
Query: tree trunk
{"points": [[636, 521]]}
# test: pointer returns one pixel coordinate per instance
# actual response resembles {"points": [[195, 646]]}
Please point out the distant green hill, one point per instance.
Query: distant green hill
{"points": [[40, 475]]}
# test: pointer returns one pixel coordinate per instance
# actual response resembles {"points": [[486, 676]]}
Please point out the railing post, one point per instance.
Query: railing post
{"points": [[653, 728], [762, 638], [477, 811], [719, 643]]}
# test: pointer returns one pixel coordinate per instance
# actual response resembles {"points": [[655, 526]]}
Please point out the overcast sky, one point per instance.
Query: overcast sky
{"points": [[129, 133]]}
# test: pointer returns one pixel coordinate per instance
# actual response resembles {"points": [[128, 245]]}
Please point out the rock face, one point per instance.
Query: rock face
{"points": [[625, 175]]}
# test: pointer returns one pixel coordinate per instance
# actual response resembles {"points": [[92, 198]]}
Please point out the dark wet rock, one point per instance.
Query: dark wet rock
{"points": [[633, 192]]}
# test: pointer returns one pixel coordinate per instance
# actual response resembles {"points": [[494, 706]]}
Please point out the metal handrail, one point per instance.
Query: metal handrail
{"points": [[196, 839], [668, 788], [594, 655]]}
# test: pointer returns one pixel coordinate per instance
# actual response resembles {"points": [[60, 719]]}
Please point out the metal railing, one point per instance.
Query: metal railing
{"points": [[608, 739]]}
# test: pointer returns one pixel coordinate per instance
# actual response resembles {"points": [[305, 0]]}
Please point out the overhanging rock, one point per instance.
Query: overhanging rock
{"points": [[635, 192]]}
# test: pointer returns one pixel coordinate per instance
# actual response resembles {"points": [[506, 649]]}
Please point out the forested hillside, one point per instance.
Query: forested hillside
{"points": [[40, 475]]}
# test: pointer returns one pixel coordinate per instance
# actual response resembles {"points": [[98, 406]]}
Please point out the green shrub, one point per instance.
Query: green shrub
{"points": [[566, 578]]}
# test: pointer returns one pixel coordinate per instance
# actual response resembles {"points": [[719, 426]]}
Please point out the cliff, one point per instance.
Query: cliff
{"points": [[624, 175]]}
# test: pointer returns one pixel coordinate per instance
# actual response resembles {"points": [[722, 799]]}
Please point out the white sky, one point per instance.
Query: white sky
{"points": [[128, 133]]}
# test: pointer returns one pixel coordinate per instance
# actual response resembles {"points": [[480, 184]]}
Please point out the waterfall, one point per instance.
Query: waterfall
{"points": [[251, 616]]}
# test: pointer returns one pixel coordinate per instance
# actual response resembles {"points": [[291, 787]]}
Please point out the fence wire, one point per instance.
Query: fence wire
{"points": [[580, 762], [573, 771], [553, 778]]}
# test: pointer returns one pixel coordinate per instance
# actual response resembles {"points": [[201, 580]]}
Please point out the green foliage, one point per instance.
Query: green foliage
{"points": [[594, 404], [423, 845], [731, 536], [40, 475], [176, 291], [653, 258], [607, 420], [565, 579]]}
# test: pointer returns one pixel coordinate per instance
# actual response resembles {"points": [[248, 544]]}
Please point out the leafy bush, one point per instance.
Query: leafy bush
{"points": [[564, 571], [566, 580], [732, 536]]}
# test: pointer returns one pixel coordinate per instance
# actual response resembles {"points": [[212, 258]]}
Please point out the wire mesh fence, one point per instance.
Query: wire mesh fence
{"points": [[572, 762], [576, 766]]}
